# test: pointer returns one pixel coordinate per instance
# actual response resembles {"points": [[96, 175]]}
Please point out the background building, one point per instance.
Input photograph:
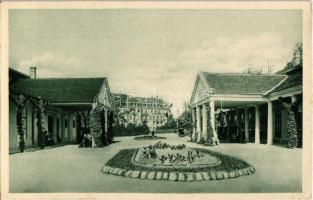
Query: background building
{"points": [[152, 111]]}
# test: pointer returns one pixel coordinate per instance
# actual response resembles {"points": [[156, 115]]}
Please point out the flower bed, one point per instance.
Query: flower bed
{"points": [[209, 165], [149, 137]]}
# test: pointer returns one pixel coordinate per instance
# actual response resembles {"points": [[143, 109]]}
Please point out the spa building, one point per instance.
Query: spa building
{"points": [[250, 104], [55, 107]]}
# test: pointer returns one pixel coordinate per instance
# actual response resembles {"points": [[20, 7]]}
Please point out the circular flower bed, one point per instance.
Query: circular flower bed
{"points": [[176, 163], [149, 137]]}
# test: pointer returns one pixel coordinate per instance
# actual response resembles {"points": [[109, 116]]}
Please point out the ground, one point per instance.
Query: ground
{"points": [[73, 169]]}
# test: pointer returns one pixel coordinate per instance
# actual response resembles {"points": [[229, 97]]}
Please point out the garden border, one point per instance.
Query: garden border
{"points": [[178, 176]]}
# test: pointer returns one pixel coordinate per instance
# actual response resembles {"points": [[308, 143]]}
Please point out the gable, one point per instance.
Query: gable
{"points": [[200, 91]]}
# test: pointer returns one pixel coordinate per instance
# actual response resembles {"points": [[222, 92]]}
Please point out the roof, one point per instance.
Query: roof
{"points": [[61, 89], [15, 75], [294, 79], [226, 83], [290, 68], [135, 99]]}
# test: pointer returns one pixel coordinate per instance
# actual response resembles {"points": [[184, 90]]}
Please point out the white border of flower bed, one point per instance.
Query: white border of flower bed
{"points": [[178, 176]]}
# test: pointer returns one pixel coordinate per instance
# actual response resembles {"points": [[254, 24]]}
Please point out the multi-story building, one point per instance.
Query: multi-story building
{"points": [[152, 111]]}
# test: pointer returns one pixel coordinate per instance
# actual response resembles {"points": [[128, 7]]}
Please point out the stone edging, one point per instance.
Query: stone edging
{"points": [[178, 176]]}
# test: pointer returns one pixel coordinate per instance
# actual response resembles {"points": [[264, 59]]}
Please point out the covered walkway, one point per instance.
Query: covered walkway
{"points": [[239, 107]]}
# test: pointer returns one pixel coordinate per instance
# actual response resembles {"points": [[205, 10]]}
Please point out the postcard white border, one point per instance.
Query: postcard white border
{"points": [[307, 94]]}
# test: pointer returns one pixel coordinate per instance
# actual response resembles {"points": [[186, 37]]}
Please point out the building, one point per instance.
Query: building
{"points": [[45, 111], [152, 111], [247, 105]]}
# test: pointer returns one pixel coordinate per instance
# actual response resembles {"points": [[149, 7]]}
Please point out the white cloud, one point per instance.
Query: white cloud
{"points": [[51, 65]]}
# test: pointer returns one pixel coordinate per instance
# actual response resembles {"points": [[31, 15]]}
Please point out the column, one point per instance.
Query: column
{"points": [[193, 136], [198, 123], [106, 121], [238, 123], [246, 125], [257, 125], [212, 120], [204, 121], [269, 122]]}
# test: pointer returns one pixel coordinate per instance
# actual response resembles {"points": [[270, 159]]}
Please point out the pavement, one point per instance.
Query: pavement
{"points": [[72, 169]]}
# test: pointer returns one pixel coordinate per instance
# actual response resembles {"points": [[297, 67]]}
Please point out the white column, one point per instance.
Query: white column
{"points": [[204, 121], [212, 120], [257, 125], [106, 120], [246, 125], [198, 123], [194, 124], [269, 122]]}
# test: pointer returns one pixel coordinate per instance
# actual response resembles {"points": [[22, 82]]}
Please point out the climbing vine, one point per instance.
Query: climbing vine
{"points": [[41, 120], [20, 102], [96, 126], [210, 134], [291, 124]]}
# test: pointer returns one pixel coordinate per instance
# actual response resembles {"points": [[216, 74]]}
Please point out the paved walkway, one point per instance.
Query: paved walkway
{"points": [[73, 169]]}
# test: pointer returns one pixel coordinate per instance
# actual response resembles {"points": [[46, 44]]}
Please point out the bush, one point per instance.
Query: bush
{"points": [[131, 130]]}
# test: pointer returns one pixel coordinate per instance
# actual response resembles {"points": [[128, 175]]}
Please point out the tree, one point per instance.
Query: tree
{"points": [[185, 119], [171, 122]]}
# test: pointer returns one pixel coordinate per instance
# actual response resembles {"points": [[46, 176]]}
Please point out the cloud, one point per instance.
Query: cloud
{"points": [[51, 64], [234, 55]]}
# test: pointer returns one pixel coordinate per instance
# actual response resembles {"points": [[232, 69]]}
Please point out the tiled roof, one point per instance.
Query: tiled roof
{"points": [[294, 79], [224, 83], [134, 99], [60, 89]]}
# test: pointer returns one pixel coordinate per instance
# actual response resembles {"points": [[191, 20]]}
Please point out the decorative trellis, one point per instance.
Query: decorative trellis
{"points": [[96, 126], [20, 102], [209, 136], [41, 107]]}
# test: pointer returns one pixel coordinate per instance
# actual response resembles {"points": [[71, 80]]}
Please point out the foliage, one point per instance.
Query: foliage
{"points": [[96, 124], [131, 130], [185, 119], [292, 130], [170, 123], [253, 70], [149, 137], [123, 160], [209, 137]]}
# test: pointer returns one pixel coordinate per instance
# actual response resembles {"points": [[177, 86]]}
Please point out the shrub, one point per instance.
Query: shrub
{"points": [[131, 130]]}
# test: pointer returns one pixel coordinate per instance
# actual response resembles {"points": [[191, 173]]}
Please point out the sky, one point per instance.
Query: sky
{"points": [[151, 52]]}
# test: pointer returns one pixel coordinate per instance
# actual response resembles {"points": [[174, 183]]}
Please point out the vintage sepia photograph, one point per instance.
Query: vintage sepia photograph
{"points": [[155, 100]]}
